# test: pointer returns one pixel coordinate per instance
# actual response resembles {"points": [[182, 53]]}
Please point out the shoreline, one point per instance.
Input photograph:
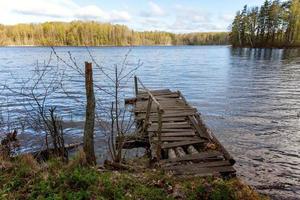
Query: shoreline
{"points": [[134, 46]]}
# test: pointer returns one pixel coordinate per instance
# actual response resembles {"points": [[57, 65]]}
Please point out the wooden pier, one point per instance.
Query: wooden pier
{"points": [[175, 135]]}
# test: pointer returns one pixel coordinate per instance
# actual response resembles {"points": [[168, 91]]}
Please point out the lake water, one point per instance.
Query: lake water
{"points": [[249, 98]]}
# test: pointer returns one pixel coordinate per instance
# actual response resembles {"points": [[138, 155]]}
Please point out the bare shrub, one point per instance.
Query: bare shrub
{"points": [[9, 145], [116, 79], [36, 92]]}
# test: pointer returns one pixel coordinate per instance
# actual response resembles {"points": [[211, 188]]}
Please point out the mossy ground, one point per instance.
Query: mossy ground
{"points": [[24, 178]]}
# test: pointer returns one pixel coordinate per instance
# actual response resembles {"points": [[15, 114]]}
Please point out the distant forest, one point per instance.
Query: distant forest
{"points": [[274, 24], [79, 33]]}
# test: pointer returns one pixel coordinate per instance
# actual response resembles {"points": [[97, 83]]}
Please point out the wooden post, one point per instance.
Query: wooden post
{"points": [[136, 86], [88, 136], [158, 150], [148, 112]]}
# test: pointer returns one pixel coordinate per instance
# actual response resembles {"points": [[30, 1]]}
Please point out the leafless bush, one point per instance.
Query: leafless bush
{"points": [[9, 145], [38, 114], [116, 78]]}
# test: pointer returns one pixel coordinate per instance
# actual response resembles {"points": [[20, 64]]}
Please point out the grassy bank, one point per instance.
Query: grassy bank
{"points": [[24, 178]]}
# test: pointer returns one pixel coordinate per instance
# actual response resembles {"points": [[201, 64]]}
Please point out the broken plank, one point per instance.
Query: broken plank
{"points": [[179, 144], [155, 91], [178, 134], [168, 119], [164, 130], [194, 157], [172, 139], [153, 127], [166, 109], [197, 126], [170, 114]]}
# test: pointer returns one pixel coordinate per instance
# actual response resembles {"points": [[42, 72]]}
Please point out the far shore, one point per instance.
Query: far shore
{"points": [[126, 46]]}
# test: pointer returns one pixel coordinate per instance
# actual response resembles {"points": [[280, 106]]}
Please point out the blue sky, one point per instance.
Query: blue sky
{"points": [[167, 15]]}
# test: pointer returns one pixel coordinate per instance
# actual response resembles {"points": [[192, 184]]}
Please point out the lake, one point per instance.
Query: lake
{"points": [[250, 98]]}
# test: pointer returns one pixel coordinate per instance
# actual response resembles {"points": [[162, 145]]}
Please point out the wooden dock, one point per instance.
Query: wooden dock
{"points": [[176, 136]]}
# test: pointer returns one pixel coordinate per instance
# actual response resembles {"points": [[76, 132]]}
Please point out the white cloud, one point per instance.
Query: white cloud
{"points": [[227, 17], [154, 10], [20, 11], [194, 15]]}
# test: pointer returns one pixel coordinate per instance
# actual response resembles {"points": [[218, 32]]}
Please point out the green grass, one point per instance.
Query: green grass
{"points": [[24, 178]]}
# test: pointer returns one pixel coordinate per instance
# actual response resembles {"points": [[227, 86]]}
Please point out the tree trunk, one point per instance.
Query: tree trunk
{"points": [[88, 137]]}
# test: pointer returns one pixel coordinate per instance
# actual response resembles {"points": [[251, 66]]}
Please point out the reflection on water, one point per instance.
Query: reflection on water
{"points": [[249, 97]]}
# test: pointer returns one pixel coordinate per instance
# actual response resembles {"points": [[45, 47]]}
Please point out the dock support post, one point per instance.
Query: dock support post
{"points": [[148, 112], [158, 150], [136, 86]]}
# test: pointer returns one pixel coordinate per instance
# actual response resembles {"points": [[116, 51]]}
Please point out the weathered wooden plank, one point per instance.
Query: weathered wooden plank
{"points": [[141, 92], [163, 102], [195, 157], [204, 171], [166, 109], [197, 126], [168, 119], [173, 130], [173, 139], [180, 123], [158, 95], [179, 134], [182, 143], [184, 123], [214, 139], [169, 114], [153, 127]]}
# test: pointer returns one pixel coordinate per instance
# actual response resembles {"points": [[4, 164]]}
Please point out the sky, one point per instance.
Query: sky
{"points": [[179, 16]]}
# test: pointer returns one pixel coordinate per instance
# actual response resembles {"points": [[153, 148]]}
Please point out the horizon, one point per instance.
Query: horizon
{"points": [[169, 16]]}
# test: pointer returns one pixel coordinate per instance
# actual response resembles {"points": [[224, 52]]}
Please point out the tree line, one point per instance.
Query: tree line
{"points": [[91, 33], [274, 24]]}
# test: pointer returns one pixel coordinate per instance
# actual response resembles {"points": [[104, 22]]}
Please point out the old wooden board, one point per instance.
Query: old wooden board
{"points": [[173, 139], [195, 157], [169, 114], [177, 136], [181, 143]]}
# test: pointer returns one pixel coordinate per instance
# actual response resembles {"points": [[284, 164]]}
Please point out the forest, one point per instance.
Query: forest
{"points": [[91, 33], [274, 24]]}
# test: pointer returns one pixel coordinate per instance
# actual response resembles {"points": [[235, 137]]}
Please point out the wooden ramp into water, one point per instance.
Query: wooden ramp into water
{"points": [[177, 138]]}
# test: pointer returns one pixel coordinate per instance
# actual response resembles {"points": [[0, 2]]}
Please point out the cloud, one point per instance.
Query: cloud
{"points": [[95, 13], [194, 15], [154, 10], [65, 10], [226, 17]]}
